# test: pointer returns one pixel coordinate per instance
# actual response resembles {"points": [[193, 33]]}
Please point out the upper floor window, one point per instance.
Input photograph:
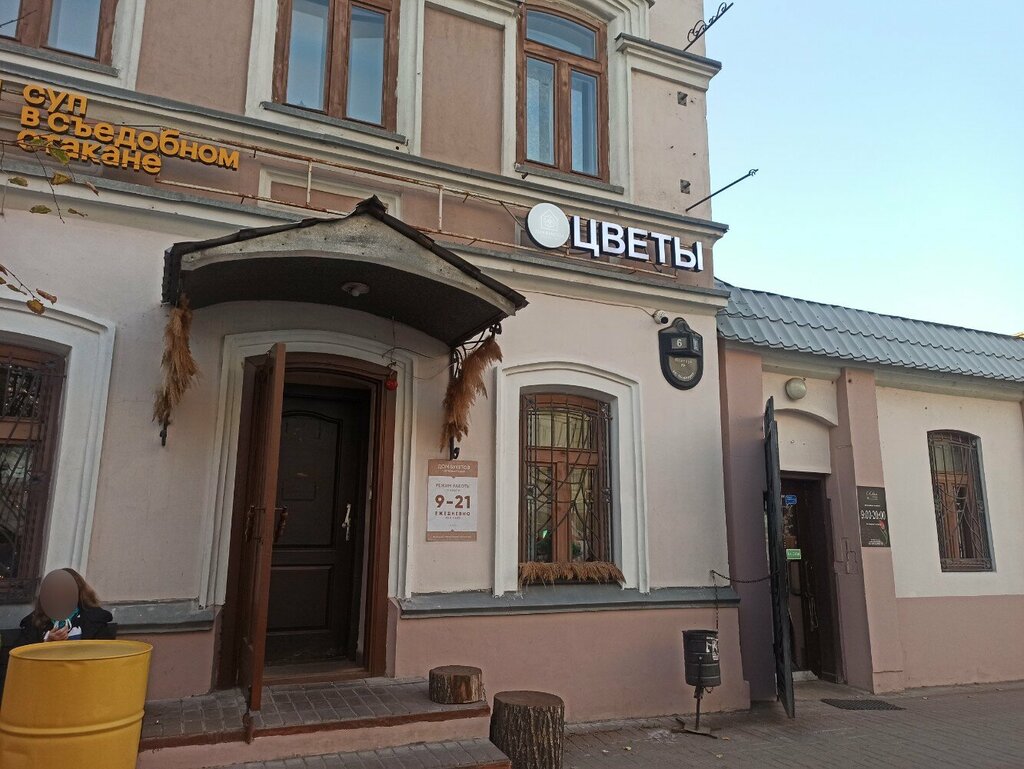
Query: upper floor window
{"points": [[79, 27], [563, 100], [30, 390], [959, 493], [338, 57], [565, 517]]}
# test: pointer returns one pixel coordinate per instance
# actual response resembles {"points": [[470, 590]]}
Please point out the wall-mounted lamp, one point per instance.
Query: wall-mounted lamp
{"points": [[796, 388], [356, 290]]}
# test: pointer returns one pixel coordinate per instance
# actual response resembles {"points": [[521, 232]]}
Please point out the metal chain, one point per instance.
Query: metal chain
{"points": [[727, 578]]}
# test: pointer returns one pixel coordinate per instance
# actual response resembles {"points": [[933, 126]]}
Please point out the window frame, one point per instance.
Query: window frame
{"points": [[948, 528], [336, 74], [33, 29], [18, 430], [564, 63], [598, 459]]}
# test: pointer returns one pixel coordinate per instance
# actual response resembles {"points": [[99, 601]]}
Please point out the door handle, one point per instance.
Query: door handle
{"points": [[281, 523], [347, 523]]}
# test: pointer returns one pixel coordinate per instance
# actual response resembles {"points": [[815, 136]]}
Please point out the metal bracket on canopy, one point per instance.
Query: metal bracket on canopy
{"points": [[458, 356]]}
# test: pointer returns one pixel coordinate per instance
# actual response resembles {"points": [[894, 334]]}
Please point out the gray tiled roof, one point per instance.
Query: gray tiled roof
{"points": [[785, 323]]}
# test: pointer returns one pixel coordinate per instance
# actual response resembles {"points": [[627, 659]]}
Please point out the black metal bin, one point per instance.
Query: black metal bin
{"points": [[700, 658]]}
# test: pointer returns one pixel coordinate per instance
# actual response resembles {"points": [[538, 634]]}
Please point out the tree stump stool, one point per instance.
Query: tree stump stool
{"points": [[529, 727], [456, 685]]}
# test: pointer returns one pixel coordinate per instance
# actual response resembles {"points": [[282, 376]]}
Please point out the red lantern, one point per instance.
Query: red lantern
{"points": [[391, 383]]}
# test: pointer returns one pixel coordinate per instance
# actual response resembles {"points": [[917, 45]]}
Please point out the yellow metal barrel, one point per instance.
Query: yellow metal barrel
{"points": [[75, 704]]}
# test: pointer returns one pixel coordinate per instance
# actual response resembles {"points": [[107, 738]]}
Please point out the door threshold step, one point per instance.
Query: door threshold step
{"points": [[451, 754], [313, 672], [215, 718]]}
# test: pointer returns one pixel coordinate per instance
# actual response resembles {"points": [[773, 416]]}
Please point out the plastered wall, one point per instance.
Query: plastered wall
{"points": [[670, 21], [804, 424], [213, 71], [904, 418], [670, 144], [681, 444], [148, 536], [462, 90]]}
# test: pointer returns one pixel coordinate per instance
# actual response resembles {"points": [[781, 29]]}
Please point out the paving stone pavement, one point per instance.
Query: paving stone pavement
{"points": [[976, 727], [437, 755], [289, 705]]}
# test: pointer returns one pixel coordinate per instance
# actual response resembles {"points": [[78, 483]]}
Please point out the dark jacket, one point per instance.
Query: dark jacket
{"points": [[94, 621]]}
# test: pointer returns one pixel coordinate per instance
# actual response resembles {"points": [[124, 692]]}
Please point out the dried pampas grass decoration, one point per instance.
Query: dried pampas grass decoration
{"points": [[179, 367], [533, 572], [464, 388]]}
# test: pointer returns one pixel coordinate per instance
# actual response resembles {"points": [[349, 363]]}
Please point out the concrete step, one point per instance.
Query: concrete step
{"points": [[452, 754], [302, 720]]}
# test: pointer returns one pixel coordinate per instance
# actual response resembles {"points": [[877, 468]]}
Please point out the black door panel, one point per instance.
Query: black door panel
{"points": [[316, 557]]}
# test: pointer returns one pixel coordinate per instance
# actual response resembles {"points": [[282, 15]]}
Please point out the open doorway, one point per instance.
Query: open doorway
{"points": [[307, 581], [812, 597]]}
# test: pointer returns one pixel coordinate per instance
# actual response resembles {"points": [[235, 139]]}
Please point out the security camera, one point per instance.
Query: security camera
{"points": [[660, 316]]}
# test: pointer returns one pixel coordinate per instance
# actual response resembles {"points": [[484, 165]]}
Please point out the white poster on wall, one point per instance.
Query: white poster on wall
{"points": [[451, 500]]}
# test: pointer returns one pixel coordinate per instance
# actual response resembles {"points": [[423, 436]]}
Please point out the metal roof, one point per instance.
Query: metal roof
{"points": [[786, 323]]}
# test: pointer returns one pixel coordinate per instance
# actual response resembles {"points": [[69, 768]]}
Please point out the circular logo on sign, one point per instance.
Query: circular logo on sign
{"points": [[547, 226]]}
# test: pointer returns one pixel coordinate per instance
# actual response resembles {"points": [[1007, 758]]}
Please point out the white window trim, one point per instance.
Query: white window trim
{"points": [[88, 343], [125, 46], [630, 494], [219, 495], [260, 85]]}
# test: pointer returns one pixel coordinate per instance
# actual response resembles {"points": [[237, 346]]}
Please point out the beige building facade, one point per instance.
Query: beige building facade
{"points": [[356, 197], [928, 591], [451, 121]]}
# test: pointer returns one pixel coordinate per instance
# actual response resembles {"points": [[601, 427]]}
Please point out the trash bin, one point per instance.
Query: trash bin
{"points": [[700, 657], [74, 703]]}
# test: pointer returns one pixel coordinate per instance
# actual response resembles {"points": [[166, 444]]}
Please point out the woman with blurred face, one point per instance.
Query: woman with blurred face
{"points": [[67, 609]]}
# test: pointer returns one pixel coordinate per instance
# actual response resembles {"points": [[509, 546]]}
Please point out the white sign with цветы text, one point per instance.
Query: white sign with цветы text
{"points": [[549, 227]]}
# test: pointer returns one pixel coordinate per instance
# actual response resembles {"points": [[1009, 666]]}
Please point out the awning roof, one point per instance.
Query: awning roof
{"points": [[411, 278]]}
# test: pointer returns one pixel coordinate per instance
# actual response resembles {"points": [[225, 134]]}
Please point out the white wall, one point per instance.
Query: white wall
{"points": [[904, 419], [151, 534], [804, 424]]}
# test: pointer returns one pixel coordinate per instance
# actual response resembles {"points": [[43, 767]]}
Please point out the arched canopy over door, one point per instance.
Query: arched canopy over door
{"points": [[409, 277]]}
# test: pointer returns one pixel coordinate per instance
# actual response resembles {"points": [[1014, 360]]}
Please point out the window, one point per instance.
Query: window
{"points": [[78, 27], [563, 95], [338, 57], [959, 501], [30, 389], [565, 478]]}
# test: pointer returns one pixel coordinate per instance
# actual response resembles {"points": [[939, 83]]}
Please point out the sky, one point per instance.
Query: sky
{"points": [[889, 143]]}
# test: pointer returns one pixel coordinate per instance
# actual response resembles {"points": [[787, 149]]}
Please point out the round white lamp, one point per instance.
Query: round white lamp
{"points": [[796, 388]]}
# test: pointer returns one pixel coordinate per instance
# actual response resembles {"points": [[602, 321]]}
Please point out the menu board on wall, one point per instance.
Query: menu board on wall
{"points": [[451, 500], [874, 518]]}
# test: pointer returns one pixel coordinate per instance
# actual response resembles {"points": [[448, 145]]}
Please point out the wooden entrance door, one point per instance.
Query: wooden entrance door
{"points": [[244, 639], [258, 522], [809, 531], [317, 557]]}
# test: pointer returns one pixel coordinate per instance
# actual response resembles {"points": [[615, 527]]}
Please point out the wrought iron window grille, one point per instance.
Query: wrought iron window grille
{"points": [[959, 497], [566, 494], [30, 389]]}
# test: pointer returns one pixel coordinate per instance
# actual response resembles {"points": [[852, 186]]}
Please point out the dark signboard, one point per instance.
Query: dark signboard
{"points": [[874, 520]]}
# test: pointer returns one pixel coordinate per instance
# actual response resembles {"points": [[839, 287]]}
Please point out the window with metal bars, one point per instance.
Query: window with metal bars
{"points": [[959, 495], [565, 477], [30, 389]]}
